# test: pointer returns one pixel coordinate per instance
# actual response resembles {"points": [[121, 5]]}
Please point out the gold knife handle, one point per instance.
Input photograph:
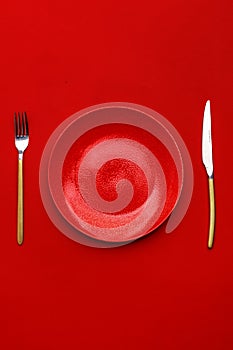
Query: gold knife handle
{"points": [[212, 212], [20, 203]]}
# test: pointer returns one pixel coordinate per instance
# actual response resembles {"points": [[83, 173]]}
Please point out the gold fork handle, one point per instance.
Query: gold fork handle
{"points": [[212, 212], [20, 203]]}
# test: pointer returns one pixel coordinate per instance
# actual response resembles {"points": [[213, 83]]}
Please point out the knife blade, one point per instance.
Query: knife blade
{"points": [[207, 158]]}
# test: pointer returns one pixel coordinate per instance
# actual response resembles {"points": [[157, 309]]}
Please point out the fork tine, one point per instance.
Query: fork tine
{"points": [[15, 124], [26, 124], [19, 124], [22, 125]]}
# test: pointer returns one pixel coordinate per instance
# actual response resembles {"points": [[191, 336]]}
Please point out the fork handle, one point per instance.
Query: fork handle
{"points": [[20, 203], [212, 212]]}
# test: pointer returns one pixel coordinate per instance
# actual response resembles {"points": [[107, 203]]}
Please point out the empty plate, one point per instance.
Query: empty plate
{"points": [[114, 173]]}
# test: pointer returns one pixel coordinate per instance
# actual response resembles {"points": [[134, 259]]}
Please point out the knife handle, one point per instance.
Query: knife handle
{"points": [[212, 212]]}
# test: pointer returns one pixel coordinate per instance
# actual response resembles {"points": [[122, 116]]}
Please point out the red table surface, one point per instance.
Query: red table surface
{"points": [[163, 291]]}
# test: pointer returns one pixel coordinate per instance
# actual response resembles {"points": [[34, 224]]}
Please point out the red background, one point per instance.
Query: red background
{"points": [[164, 291]]}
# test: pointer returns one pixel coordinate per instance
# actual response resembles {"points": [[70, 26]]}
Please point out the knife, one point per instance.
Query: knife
{"points": [[207, 158]]}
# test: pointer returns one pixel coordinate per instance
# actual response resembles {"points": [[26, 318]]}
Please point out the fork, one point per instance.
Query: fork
{"points": [[21, 143]]}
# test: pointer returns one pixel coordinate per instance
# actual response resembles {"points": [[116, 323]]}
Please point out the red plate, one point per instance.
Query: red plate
{"points": [[115, 173]]}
